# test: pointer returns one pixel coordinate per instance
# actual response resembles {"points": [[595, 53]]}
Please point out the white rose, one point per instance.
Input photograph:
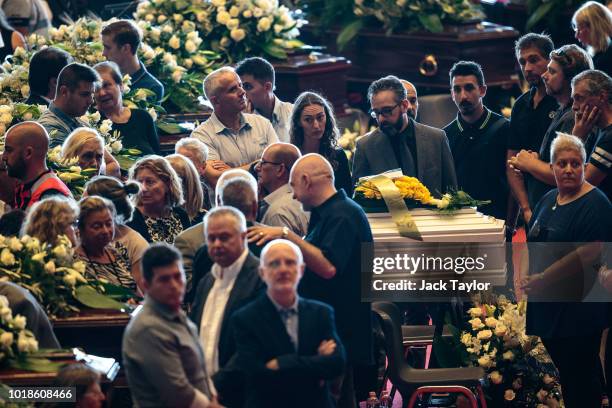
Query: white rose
{"points": [[6, 313], [199, 60], [79, 266], [6, 339], [116, 146], [15, 244], [27, 116], [247, 14], [193, 36], [19, 322], [225, 42], [32, 243], [223, 17], [106, 126], [475, 312], [485, 362], [234, 11], [218, 3], [50, 267], [6, 118], [278, 28], [174, 42], [149, 17], [39, 257], [257, 12], [201, 16], [167, 28], [3, 301], [153, 114], [400, 3], [177, 76], [69, 280], [466, 339], [188, 63], [232, 23], [491, 322], [5, 109], [167, 58], [60, 251], [476, 323], [237, 34], [178, 18], [508, 355], [95, 117], [264, 24], [496, 377], [155, 33], [190, 46], [6, 257], [161, 19], [500, 329], [25, 90], [148, 55], [140, 95]]}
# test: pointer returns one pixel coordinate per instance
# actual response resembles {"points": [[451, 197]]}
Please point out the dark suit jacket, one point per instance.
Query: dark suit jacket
{"points": [[436, 168], [261, 336], [35, 99], [247, 287]]}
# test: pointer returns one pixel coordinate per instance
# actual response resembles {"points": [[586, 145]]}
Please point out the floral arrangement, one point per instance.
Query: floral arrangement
{"points": [[16, 342], [51, 275], [69, 172], [17, 112], [415, 194], [519, 372]]}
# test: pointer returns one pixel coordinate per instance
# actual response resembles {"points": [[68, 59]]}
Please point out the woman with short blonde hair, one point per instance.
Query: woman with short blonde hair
{"points": [[50, 218], [87, 145], [192, 189], [158, 216]]}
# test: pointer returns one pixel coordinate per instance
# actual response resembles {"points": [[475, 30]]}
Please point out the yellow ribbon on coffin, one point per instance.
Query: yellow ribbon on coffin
{"points": [[397, 207]]}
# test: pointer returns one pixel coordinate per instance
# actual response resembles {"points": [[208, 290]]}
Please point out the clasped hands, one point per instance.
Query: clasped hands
{"points": [[326, 348], [523, 161]]}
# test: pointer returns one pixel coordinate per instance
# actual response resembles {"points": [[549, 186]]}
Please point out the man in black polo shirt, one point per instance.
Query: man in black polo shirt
{"points": [[565, 63], [478, 140], [121, 40], [531, 115], [332, 253]]}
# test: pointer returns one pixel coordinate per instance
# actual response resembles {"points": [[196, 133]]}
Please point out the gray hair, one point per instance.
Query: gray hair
{"points": [[238, 193], [230, 174], [275, 242], [211, 82], [388, 83], [195, 146], [566, 142], [221, 211], [596, 82]]}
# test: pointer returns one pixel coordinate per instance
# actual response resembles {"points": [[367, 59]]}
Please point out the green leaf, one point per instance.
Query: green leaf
{"points": [[89, 297], [274, 51], [446, 352], [538, 14], [431, 22], [117, 292], [170, 128], [41, 365], [348, 33]]}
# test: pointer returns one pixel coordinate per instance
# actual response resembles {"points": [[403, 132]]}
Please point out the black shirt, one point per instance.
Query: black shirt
{"points": [[342, 173], [603, 61], [143, 79], [479, 153], [139, 132], [602, 159], [528, 125], [339, 227], [405, 139]]}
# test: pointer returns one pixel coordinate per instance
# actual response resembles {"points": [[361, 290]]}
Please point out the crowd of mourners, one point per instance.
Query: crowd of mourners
{"points": [[245, 243]]}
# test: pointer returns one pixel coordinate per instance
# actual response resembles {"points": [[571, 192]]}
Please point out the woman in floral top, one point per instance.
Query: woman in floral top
{"points": [[158, 217]]}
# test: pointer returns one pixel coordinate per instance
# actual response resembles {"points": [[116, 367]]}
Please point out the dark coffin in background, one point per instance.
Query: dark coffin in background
{"points": [[374, 54], [317, 72]]}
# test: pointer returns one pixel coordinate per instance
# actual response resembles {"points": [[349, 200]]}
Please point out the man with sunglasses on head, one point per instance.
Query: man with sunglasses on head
{"points": [[400, 142]]}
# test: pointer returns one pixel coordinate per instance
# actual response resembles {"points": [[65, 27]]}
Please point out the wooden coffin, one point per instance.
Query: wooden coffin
{"points": [[425, 58]]}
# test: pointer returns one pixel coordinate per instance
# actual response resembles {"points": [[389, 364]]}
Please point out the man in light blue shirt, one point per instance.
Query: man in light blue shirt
{"points": [[234, 139]]}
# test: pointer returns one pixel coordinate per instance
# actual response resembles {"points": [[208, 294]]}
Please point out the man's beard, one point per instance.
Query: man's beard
{"points": [[392, 129], [17, 170], [466, 108]]}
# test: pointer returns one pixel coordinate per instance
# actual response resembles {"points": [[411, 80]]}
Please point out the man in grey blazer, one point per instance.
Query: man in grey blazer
{"points": [[400, 142]]}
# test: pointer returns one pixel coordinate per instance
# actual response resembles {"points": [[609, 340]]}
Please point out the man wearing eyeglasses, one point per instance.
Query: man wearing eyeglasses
{"points": [[478, 139], [279, 208], [419, 150]]}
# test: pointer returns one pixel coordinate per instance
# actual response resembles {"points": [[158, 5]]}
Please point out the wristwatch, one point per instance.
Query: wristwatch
{"points": [[285, 232]]}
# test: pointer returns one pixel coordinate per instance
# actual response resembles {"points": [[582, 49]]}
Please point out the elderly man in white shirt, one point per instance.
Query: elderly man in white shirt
{"points": [[234, 139], [233, 282], [279, 208], [258, 78]]}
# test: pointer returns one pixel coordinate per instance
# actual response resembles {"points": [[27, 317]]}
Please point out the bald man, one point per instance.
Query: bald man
{"points": [[413, 101], [25, 153], [278, 207], [287, 345], [332, 252]]}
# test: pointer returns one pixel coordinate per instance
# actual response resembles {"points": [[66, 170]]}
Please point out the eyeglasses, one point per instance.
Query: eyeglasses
{"points": [[264, 161], [386, 112]]}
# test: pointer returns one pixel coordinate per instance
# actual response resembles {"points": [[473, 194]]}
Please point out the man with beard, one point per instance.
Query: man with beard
{"points": [[400, 142], [412, 98], [531, 115], [75, 89], [565, 63], [478, 140], [234, 139], [278, 207], [25, 157]]}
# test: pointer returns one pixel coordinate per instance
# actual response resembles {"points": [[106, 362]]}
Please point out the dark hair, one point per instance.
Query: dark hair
{"points": [[542, 42], [109, 66], [72, 74], [238, 193], [572, 59], [45, 65], [115, 191], [465, 68], [329, 140], [597, 82], [77, 375], [388, 83], [124, 32], [11, 222], [158, 254], [260, 68]]}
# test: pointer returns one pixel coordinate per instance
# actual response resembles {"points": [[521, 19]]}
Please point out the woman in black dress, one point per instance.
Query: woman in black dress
{"points": [[313, 130]]}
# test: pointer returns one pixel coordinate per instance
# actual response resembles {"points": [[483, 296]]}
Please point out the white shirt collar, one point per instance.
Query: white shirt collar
{"points": [[231, 272]]}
